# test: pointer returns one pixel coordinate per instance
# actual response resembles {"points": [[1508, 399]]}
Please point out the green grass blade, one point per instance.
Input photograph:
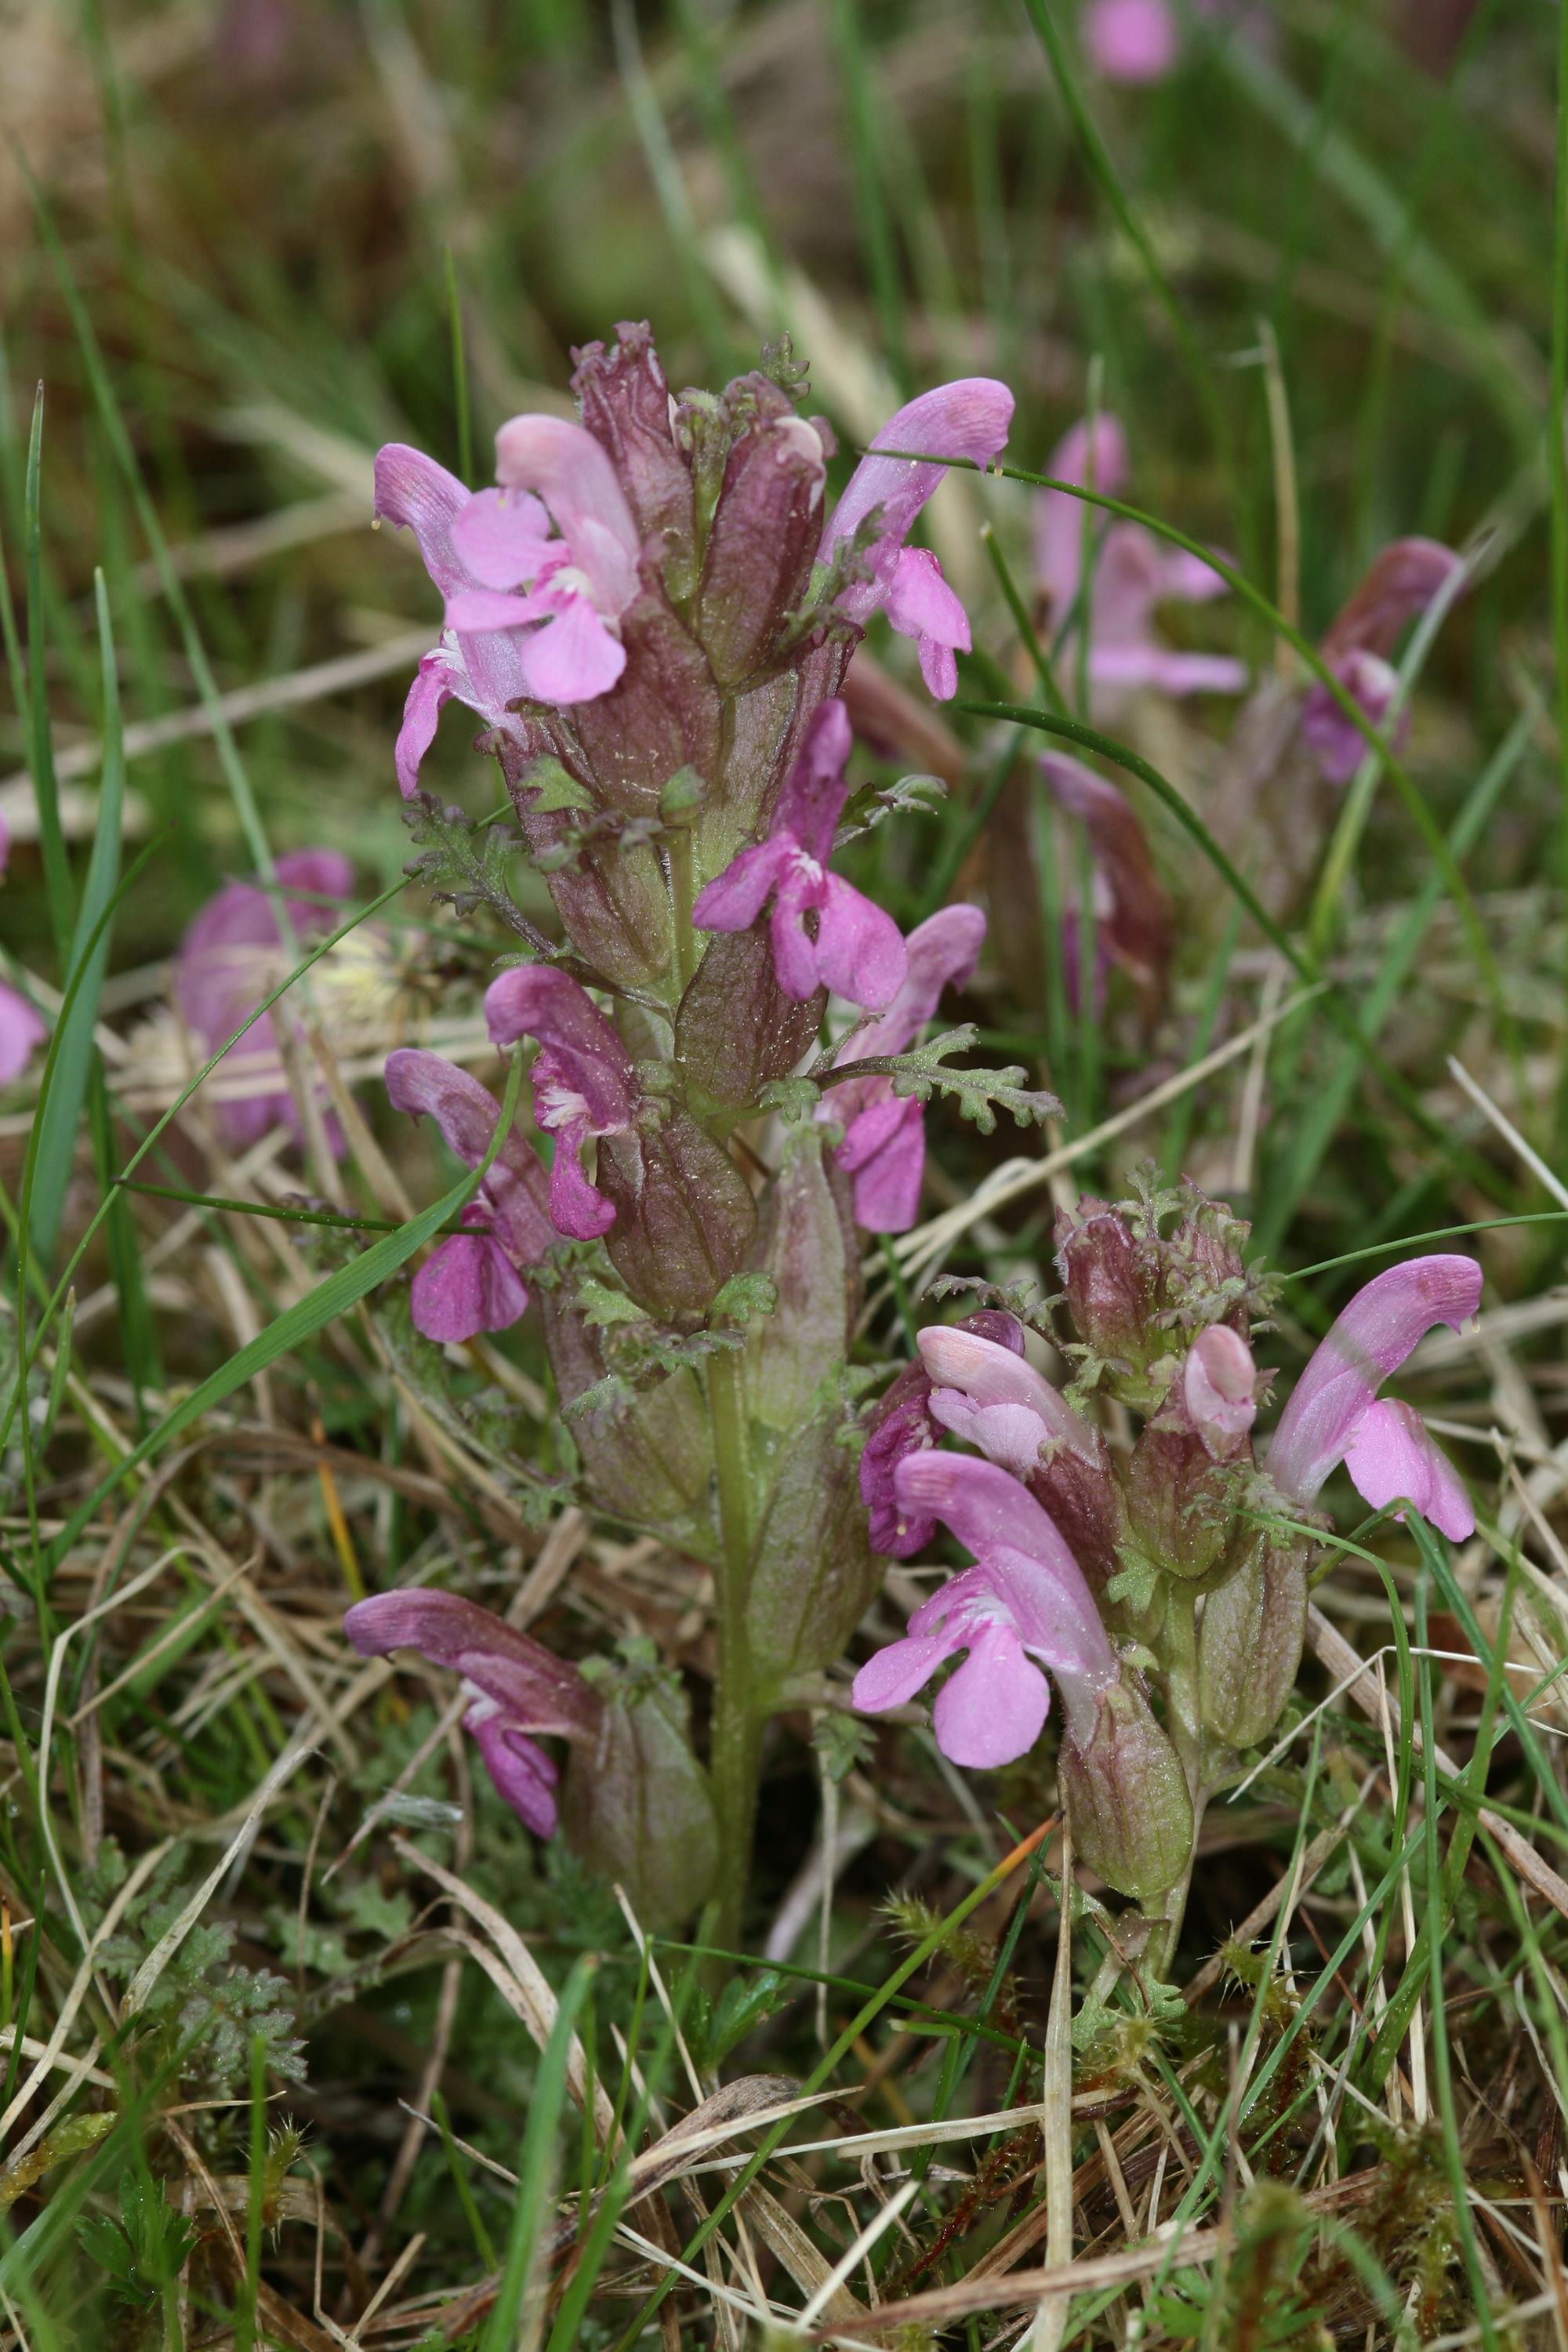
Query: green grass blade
{"points": [[41, 733], [331, 1298], [536, 2169], [59, 1111]]}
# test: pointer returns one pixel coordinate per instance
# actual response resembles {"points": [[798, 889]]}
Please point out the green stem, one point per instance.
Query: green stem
{"points": [[1185, 1726], [735, 1746]]}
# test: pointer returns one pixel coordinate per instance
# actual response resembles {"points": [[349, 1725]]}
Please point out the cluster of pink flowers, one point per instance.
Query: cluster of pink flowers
{"points": [[659, 595]]}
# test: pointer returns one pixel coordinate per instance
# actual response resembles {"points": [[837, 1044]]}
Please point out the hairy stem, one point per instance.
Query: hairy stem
{"points": [[1185, 1726], [736, 1741]]}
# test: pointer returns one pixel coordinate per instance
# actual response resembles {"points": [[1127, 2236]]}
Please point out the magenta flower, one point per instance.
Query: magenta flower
{"points": [[1335, 1414], [584, 1083], [902, 1421], [992, 1396], [560, 641], [1134, 573], [968, 419], [884, 1133], [228, 960], [1131, 40], [516, 1687], [857, 949], [1024, 1605], [1402, 582], [21, 1029], [472, 1282]]}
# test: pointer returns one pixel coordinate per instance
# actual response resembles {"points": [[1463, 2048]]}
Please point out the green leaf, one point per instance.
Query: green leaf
{"points": [[59, 1111]]}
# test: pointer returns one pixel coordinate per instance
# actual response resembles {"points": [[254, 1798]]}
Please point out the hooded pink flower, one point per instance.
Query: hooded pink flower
{"points": [[584, 1083], [1131, 40], [1405, 580], [901, 1422], [529, 614], [228, 960], [515, 1686], [1219, 1382], [471, 1282], [1024, 1605], [884, 1133], [1134, 571], [857, 951], [993, 1398], [968, 419], [1335, 1414]]}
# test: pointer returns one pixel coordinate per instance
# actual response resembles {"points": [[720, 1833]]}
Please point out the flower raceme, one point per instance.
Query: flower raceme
{"points": [[516, 1688], [1335, 1414], [857, 949], [594, 524]]}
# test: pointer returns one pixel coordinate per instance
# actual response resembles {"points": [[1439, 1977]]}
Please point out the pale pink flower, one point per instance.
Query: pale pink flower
{"points": [[968, 419], [1336, 1415], [1403, 580], [1131, 40], [1134, 573], [1024, 1605]]}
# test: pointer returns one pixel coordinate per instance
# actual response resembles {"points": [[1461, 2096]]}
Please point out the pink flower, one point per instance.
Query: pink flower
{"points": [[515, 1686], [1134, 573], [1402, 582], [1218, 1384], [993, 1398], [558, 642], [1131, 40], [472, 1283], [229, 960], [1335, 1415], [21, 1029], [584, 1083], [901, 1422], [884, 1133], [968, 419], [857, 951], [1024, 1605]]}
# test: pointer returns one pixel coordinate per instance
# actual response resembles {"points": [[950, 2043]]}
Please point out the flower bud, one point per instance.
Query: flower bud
{"points": [[626, 406], [684, 1213], [1127, 1796], [764, 531], [737, 1031], [1218, 1383], [812, 1575], [1110, 1287], [652, 1462], [1249, 1641], [1176, 1501], [636, 1805], [807, 1252]]}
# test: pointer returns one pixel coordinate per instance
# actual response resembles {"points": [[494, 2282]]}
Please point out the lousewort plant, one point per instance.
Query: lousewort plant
{"points": [[652, 615]]}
